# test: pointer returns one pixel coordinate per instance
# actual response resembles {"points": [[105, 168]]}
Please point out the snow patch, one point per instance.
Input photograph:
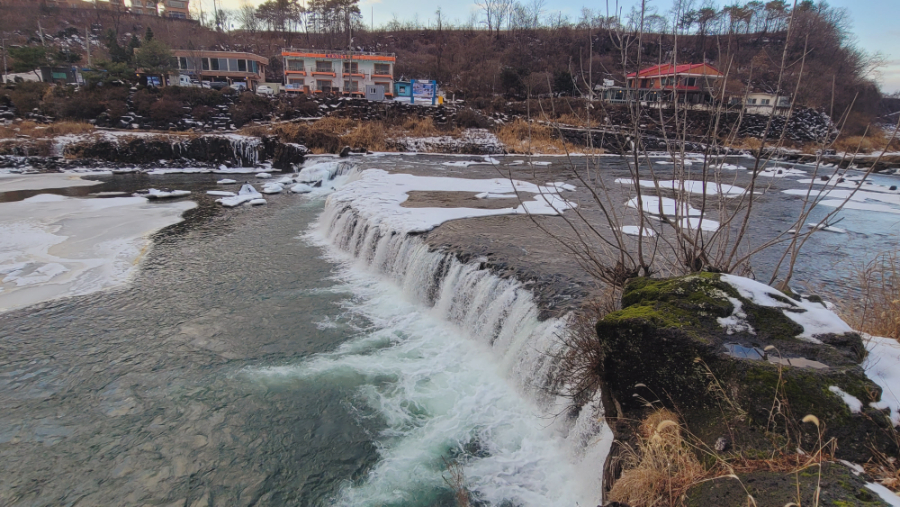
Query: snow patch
{"points": [[815, 318], [852, 402], [882, 366], [377, 196]]}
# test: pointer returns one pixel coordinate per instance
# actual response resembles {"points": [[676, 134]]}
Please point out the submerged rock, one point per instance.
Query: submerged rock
{"points": [[724, 350]]}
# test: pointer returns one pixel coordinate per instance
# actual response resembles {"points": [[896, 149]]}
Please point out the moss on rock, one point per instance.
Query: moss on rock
{"points": [[667, 345]]}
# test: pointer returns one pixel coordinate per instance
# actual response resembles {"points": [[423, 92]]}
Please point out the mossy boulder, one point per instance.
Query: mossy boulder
{"points": [[697, 345]]}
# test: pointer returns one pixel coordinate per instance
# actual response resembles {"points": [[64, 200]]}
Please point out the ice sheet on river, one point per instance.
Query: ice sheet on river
{"points": [[57, 246], [377, 195]]}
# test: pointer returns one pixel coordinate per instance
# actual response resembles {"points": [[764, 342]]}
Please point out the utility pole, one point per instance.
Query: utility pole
{"points": [[5, 78], [41, 33], [87, 42]]}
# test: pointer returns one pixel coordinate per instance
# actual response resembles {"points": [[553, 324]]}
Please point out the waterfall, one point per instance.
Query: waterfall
{"points": [[245, 149], [500, 313]]}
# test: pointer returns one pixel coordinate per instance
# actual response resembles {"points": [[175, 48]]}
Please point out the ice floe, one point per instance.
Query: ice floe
{"points": [[688, 217], [634, 230], [154, 193], [246, 194], [226, 181], [220, 193], [690, 186], [377, 195], [272, 188], [55, 246], [301, 188], [263, 175], [12, 183], [257, 202]]}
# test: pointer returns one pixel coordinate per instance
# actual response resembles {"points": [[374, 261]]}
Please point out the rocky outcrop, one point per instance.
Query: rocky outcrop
{"points": [[234, 150], [740, 360]]}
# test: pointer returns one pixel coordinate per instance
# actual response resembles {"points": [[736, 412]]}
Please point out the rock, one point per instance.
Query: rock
{"points": [[840, 487], [699, 346], [345, 152], [722, 444]]}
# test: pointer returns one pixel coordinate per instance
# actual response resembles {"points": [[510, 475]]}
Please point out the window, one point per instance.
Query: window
{"points": [[294, 65], [214, 63], [178, 4], [323, 85], [295, 81], [242, 65], [383, 69], [751, 102], [351, 86], [173, 62], [387, 86], [204, 63], [765, 102], [784, 101], [351, 68], [232, 65], [324, 66], [254, 66], [182, 62], [691, 81], [223, 64]]}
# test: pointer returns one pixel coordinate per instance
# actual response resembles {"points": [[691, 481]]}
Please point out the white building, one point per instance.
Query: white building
{"points": [[344, 72]]}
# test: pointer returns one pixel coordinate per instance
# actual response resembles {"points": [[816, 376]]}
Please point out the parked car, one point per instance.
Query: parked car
{"points": [[205, 84], [239, 86], [218, 85], [265, 90]]}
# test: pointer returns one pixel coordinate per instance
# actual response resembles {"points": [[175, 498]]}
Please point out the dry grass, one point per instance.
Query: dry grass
{"points": [[885, 470], [420, 127], [661, 469], [32, 129], [877, 310], [876, 141], [527, 138]]}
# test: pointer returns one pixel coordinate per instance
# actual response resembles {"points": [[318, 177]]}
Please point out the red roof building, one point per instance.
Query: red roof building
{"points": [[692, 84], [688, 76]]}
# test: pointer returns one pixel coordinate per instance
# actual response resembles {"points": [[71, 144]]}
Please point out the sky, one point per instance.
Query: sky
{"points": [[874, 21]]}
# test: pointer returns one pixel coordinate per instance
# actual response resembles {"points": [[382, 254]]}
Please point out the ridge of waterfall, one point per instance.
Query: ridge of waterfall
{"points": [[500, 313]]}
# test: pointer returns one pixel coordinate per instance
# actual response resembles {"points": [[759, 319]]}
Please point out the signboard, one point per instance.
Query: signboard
{"points": [[423, 90]]}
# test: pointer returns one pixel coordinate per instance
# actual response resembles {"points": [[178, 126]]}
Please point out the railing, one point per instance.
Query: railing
{"points": [[337, 51]]}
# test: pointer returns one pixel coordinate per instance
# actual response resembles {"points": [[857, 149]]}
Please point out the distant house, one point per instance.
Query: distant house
{"points": [[177, 9], [222, 66], [145, 7], [764, 103], [345, 72], [689, 84]]}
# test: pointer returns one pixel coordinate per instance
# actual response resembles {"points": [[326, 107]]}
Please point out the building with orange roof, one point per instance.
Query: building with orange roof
{"points": [[329, 71]]}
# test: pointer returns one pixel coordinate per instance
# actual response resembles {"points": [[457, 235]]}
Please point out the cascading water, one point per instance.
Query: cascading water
{"points": [[506, 457]]}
